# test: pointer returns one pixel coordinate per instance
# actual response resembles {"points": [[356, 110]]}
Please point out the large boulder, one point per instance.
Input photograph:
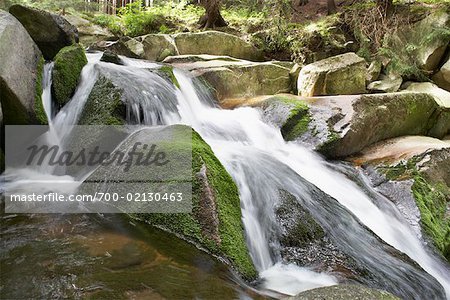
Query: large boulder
{"points": [[343, 74], [344, 292], [20, 74], [232, 78], [214, 222], [158, 46], [426, 41], [442, 78], [343, 125], [50, 32], [66, 73], [119, 96], [412, 172], [125, 46], [442, 98], [216, 43], [88, 32]]}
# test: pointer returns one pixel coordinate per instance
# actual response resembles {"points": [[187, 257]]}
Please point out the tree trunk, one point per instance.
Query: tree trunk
{"points": [[212, 18], [331, 7]]}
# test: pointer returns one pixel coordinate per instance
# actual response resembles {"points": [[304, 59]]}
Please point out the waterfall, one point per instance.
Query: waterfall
{"points": [[261, 163]]}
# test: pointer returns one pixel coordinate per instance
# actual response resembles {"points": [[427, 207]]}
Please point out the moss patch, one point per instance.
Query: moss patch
{"points": [[104, 105], [167, 71], [298, 120], [68, 65], [431, 199], [232, 243], [41, 116]]}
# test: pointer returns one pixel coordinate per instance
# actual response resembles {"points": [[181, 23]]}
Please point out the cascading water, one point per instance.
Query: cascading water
{"points": [[262, 163]]}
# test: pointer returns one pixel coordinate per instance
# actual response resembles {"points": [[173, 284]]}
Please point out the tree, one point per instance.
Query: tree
{"points": [[212, 17]]}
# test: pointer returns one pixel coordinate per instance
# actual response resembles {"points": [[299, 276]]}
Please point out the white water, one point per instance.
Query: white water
{"points": [[244, 126], [246, 145]]}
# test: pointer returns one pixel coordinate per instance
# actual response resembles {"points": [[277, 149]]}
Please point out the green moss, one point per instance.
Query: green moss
{"points": [[66, 73], [41, 116], [167, 71], [431, 199], [328, 146], [104, 105], [297, 122], [231, 232], [432, 203]]}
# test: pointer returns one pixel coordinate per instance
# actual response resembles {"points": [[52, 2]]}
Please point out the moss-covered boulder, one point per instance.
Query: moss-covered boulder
{"points": [[344, 292], [442, 78], [104, 105], [341, 126], [69, 62], [412, 172], [216, 43], [422, 44], [442, 98], [118, 96], [338, 75], [214, 221], [51, 32], [158, 46], [287, 112], [20, 74], [231, 78]]}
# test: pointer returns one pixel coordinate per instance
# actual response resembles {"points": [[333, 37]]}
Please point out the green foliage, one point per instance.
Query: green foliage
{"points": [[113, 23]]}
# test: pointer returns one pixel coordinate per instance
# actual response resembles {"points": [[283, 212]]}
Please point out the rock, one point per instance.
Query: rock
{"points": [[427, 39], [105, 104], [20, 74], [287, 112], [293, 74], [125, 46], [158, 46], [110, 57], [341, 126], [442, 78], [230, 78], [342, 74], [386, 84], [344, 292], [442, 98], [394, 151], [69, 62], [50, 32], [216, 43], [119, 96], [215, 221], [88, 32], [374, 70], [412, 172], [305, 242]]}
